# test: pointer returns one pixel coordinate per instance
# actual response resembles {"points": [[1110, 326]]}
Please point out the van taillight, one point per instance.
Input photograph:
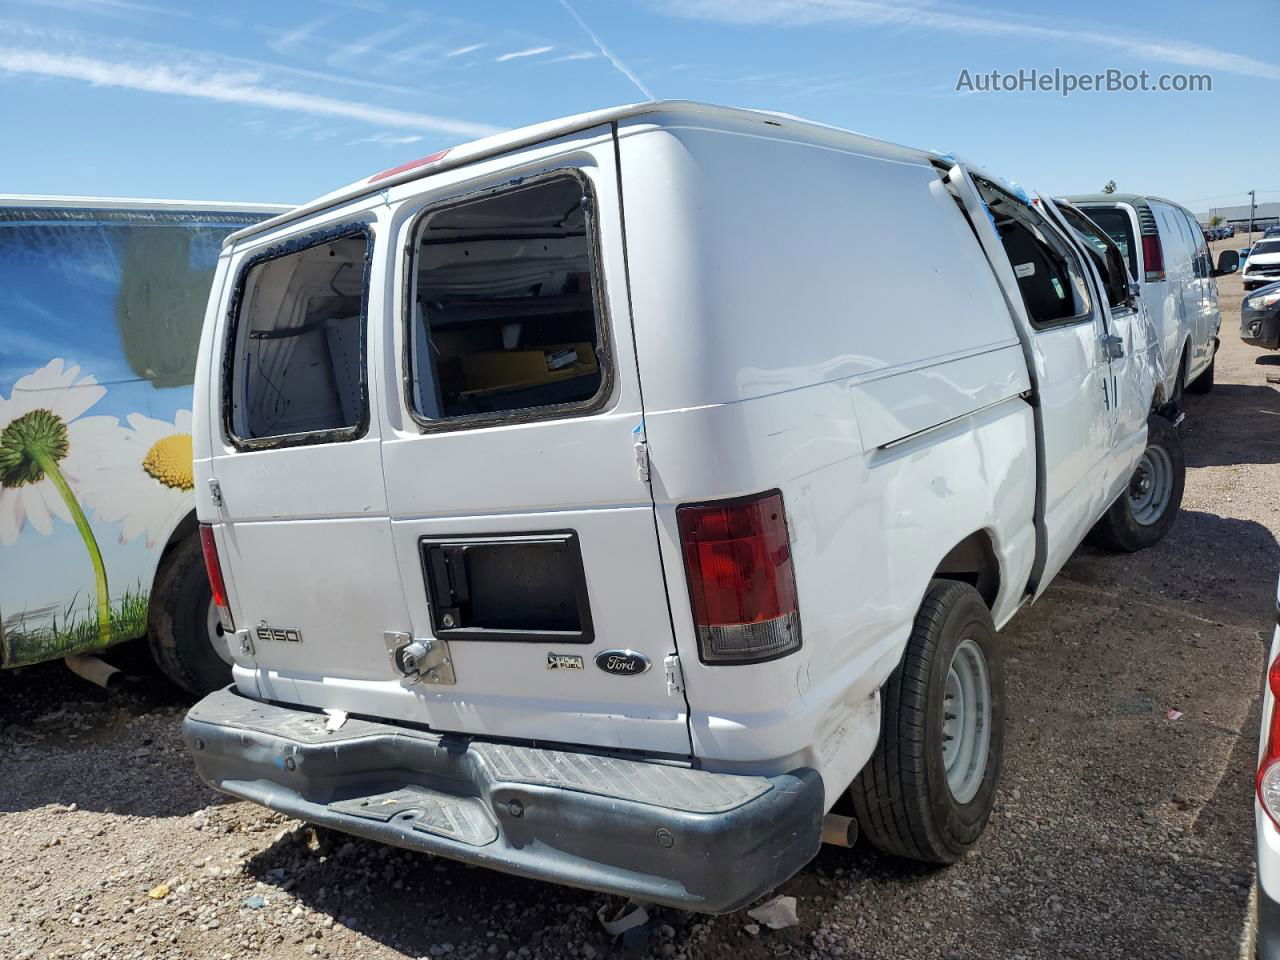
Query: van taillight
{"points": [[1153, 258], [216, 584], [1269, 766], [742, 585]]}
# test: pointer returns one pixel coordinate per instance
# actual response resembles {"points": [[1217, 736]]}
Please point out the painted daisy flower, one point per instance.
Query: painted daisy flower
{"points": [[42, 424], [145, 480], [46, 446]]}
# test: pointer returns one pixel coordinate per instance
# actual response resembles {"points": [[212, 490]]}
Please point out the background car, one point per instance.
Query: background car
{"points": [[1260, 318], [1263, 265]]}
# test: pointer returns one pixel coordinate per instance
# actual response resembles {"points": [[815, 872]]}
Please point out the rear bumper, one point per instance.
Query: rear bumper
{"points": [[666, 834]]}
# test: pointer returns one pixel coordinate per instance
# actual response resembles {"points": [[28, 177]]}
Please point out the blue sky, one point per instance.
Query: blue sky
{"points": [[281, 102]]}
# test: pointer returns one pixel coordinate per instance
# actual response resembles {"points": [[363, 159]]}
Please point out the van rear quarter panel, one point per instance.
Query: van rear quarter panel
{"points": [[822, 321]]}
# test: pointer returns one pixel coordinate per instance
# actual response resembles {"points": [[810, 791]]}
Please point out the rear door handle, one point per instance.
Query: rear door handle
{"points": [[1112, 346]]}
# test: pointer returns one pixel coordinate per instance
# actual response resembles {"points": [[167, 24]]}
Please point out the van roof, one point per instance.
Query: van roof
{"points": [[1134, 199], [36, 201], [548, 130]]}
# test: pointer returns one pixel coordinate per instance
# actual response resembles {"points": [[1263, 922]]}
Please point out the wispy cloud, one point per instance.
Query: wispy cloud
{"points": [[115, 7], [607, 53], [387, 139], [972, 21], [462, 51], [580, 55], [290, 40], [247, 89], [365, 45], [517, 54]]}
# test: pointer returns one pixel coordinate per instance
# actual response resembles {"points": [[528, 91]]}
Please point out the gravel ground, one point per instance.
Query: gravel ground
{"points": [[1119, 832]]}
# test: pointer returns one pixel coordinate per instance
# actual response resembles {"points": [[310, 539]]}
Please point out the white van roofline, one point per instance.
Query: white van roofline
{"points": [[37, 201], [506, 141]]}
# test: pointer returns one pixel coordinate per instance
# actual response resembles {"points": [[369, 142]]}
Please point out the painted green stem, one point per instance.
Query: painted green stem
{"points": [[50, 467]]}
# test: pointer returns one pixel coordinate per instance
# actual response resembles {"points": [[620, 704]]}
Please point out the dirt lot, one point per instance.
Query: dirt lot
{"points": [[1120, 831]]}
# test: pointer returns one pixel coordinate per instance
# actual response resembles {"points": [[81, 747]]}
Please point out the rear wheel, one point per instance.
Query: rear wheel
{"points": [[927, 791], [1144, 512], [1204, 382], [185, 632]]}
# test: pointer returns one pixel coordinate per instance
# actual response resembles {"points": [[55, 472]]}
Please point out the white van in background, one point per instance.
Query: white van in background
{"points": [[1167, 254], [638, 514]]}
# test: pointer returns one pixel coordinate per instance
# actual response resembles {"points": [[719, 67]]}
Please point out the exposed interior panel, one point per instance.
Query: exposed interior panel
{"points": [[504, 316]]}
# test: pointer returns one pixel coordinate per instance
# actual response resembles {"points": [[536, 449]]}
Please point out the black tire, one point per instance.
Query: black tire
{"points": [[1179, 385], [903, 802], [1120, 529], [178, 622], [1204, 382]]}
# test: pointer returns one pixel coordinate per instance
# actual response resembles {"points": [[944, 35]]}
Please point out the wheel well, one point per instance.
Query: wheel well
{"points": [[973, 561], [186, 527]]}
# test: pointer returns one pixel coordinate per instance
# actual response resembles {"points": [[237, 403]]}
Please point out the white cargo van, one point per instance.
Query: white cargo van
{"points": [[610, 501], [1168, 256]]}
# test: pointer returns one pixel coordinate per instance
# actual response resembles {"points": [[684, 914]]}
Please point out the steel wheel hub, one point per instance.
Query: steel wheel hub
{"points": [[966, 721], [1151, 487]]}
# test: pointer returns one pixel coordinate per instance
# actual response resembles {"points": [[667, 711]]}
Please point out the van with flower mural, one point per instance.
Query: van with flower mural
{"points": [[101, 304]]}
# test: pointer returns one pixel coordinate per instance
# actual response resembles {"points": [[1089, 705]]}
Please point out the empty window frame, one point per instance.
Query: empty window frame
{"points": [[505, 319], [296, 345], [1050, 277], [1107, 257], [1115, 222]]}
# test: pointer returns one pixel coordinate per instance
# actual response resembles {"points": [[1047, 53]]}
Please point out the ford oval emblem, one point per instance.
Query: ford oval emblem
{"points": [[622, 663]]}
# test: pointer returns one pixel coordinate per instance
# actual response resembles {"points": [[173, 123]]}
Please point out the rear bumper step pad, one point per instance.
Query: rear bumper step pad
{"points": [[666, 834]]}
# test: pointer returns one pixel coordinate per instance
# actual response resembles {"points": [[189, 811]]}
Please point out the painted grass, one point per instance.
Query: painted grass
{"points": [[76, 630]]}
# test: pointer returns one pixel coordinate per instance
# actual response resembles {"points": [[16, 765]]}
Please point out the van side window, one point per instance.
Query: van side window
{"points": [[1049, 276], [298, 344], [503, 314], [1201, 261], [1175, 240]]}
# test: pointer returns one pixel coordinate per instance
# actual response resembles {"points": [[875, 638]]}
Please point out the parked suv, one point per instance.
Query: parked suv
{"points": [[606, 501], [1263, 264], [1168, 255]]}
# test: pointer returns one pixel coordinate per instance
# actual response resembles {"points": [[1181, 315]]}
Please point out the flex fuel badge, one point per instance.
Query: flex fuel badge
{"points": [[564, 661]]}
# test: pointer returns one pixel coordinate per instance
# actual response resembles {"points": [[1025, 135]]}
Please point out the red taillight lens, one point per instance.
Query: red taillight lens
{"points": [[1268, 783], [1153, 258], [214, 569], [742, 585]]}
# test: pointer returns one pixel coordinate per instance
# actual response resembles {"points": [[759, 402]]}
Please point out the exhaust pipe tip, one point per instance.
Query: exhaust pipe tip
{"points": [[95, 670], [839, 831]]}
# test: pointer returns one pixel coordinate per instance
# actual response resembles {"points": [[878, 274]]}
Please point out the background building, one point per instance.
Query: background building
{"points": [[1266, 214]]}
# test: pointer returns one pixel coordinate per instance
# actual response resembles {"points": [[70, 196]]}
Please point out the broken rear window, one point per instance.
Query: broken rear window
{"points": [[504, 314], [298, 343]]}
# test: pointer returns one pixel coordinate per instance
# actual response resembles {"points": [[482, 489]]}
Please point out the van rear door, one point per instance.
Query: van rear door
{"points": [[296, 458], [514, 456]]}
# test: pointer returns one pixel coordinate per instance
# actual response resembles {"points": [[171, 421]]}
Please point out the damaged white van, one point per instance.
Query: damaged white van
{"points": [[614, 502]]}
